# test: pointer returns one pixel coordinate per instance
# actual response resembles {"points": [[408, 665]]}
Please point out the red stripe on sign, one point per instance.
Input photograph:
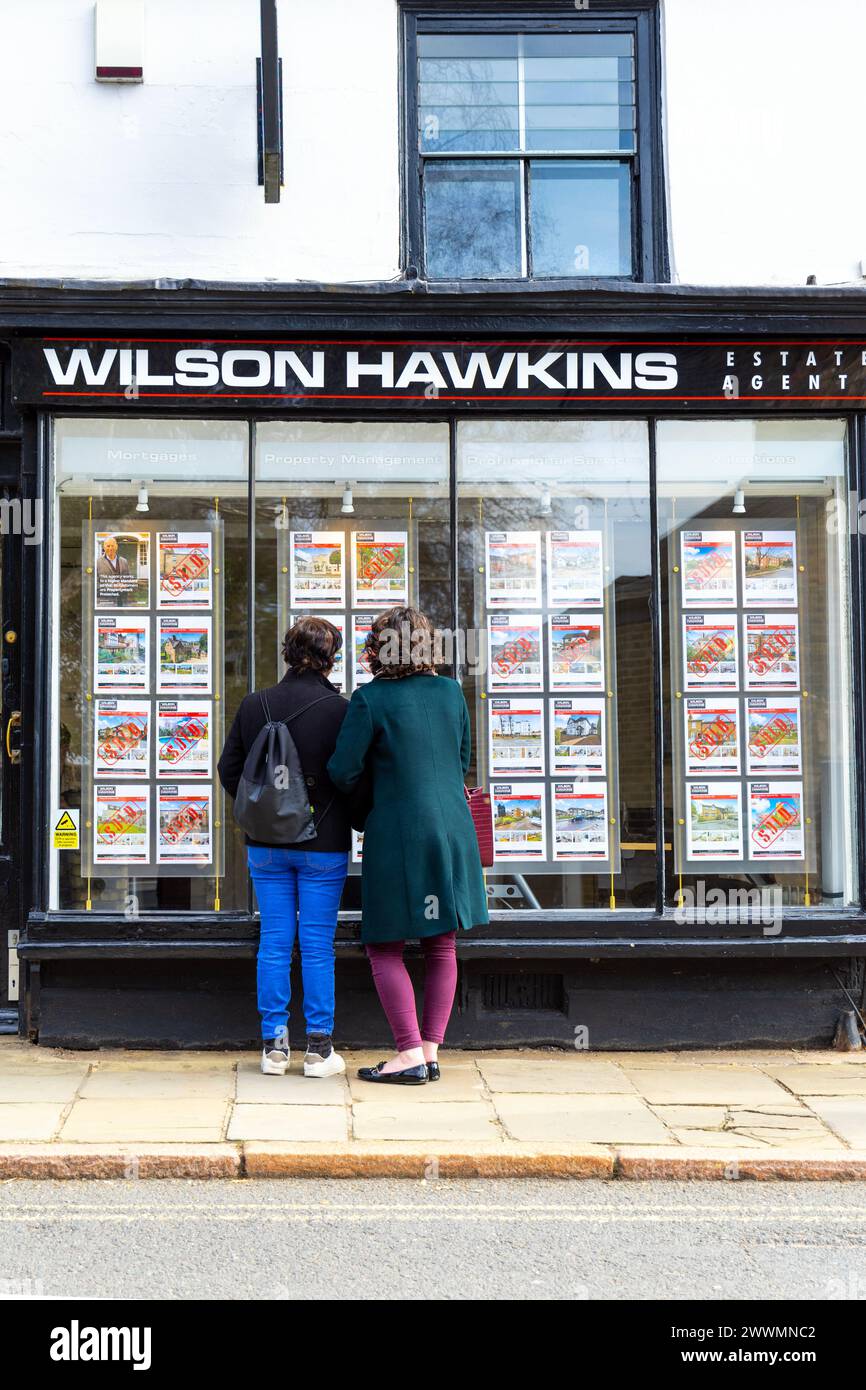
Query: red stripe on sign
{"points": [[119, 72]]}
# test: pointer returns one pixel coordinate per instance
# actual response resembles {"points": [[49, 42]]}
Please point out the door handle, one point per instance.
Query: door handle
{"points": [[13, 730]]}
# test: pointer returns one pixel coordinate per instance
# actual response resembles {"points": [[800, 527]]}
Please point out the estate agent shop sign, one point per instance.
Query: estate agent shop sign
{"points": [[57, 372]]}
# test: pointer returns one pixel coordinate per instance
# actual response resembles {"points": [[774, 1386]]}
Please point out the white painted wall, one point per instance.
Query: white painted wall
{"points": [[762, 124], [159, 179], [764, 140]]}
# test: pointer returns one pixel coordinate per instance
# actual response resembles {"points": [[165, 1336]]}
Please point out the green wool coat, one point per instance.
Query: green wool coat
{"points": [[421, 872]]}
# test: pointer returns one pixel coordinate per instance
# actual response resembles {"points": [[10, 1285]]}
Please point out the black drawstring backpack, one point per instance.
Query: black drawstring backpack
{"points": [[272, 803]]}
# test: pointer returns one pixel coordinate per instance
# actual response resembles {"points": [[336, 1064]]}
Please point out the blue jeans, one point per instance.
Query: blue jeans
{"points": [[297, 891]]}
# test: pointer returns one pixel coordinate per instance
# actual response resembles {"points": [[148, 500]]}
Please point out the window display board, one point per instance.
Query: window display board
{"points": [[152, 676], [739, 653], [346, 571], [546, 716]]}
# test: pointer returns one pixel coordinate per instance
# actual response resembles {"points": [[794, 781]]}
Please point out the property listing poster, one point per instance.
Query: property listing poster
{"points": [[774, 738], [712, 734], [580, 820], [516, 733], [122, 569], [512, 567], [380, 569], [772, 651], [184, 652], [576, 651], [122, 738], [183, 738], [769, 560], [121, 653], [514, 648], [357, 846], [121, 823], [575, 569], [184, 823], [776, 820], [317, 570], [184, 569], [577, 736], [361, 672], [710, 656], [518, 821], [714, 825], [709, 576]]}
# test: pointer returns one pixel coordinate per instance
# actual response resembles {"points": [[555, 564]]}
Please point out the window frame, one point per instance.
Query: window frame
{"points": [[650, 258]]}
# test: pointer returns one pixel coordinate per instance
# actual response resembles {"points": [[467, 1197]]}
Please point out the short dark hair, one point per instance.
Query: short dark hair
{"points": [[407, 637], [312, 644]]}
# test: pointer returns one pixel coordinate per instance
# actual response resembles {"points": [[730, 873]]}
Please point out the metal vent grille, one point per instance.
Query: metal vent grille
{"points": [[523, 990]]}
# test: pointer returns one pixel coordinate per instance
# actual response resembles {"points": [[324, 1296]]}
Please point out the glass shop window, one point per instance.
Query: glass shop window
{"points": [[150, 649], [351, 518], [759, 774], [554, 573]]}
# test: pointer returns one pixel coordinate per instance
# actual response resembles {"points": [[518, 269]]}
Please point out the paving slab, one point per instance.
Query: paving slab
{"points": [[601, 1119], [690, 1085], [461, 1120], [150, 1084], [184, 1121], [253, 1088], [556, 1077], [844, 1115], [821, 1080], [25, 1120], [289, 1122], [40, 1086]]}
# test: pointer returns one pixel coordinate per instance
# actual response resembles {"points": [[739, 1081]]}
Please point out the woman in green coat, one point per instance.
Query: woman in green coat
{"points": [[407, 731]]}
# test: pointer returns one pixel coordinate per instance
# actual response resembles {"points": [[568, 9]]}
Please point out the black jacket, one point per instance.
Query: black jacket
{"points": [[315, 734]]}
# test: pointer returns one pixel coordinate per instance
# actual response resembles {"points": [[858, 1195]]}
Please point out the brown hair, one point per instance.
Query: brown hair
{"points": [[311, 644], [400, 643]]}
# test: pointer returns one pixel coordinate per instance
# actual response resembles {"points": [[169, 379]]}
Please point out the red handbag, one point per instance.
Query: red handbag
{"points": [[478, 801]]}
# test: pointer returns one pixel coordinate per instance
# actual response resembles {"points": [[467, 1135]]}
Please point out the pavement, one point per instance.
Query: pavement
{"points": [[778, 1114]]}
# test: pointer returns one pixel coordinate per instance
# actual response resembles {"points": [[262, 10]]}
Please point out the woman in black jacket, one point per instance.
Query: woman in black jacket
{"points": [[298, 888]]}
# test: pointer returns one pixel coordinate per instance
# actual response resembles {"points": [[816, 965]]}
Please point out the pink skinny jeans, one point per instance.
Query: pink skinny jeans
{"points": [[397, 996]]}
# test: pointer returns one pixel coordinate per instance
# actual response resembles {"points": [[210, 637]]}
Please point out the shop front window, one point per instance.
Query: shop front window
{"points": [[169, 602], [554, 587], [755, 565], [150, 650], [351, 519]]}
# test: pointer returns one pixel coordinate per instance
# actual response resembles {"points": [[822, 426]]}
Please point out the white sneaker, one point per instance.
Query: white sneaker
{"points": [[316, 1065], [276, 1058]]}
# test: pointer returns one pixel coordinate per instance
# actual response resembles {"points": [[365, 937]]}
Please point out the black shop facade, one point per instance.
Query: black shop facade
{"points": [[633, 517]]}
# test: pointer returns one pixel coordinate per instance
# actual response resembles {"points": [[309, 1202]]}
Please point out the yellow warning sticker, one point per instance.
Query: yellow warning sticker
{"points": [[66, 830]]}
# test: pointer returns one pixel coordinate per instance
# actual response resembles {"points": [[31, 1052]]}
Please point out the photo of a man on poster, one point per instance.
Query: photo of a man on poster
{"points": [[121, 570]]}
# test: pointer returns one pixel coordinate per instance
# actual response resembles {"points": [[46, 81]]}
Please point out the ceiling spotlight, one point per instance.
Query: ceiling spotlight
{"points": [[739, 506], [348, 503], [545, 505], [143, 503]]}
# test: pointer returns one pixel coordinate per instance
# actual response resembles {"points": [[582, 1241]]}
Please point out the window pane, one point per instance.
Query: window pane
{"points": [[755, 536], [581, 218], [472, 219], [320, 486], [579, 92], [150, 649], [554, 583], [468, 93]]}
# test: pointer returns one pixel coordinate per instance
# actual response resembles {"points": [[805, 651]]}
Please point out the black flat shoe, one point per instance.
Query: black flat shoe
{"points": [[433, 1072], [411, 1076]]}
